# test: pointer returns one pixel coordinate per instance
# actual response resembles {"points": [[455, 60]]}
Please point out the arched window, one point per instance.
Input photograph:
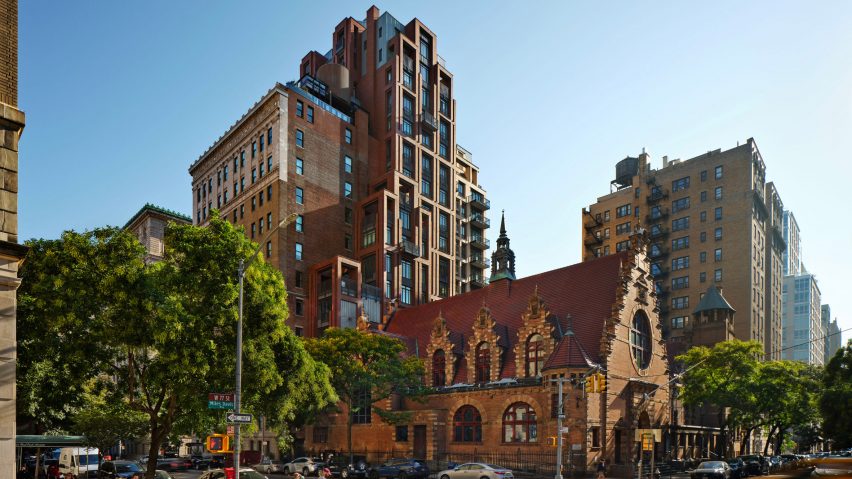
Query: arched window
{"points": [[640, 340], [467, 425], [483, 363], [519, 423], [534, 355], [439, 371]]}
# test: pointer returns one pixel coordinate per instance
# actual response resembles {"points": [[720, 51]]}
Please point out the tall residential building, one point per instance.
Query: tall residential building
{"points": [[11, 252], [792, 255], [803, 329], [362, 149], [833, 339], [472, 262], [712, 220]]}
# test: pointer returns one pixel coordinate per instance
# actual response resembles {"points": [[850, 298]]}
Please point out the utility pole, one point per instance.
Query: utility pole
{"points": [[559, 418]]}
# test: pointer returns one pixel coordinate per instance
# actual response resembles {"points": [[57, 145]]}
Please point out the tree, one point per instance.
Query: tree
{"points": [[167, 331], [104, 423], [785, 393], [836, 398], [365, 369], [721, 377]]}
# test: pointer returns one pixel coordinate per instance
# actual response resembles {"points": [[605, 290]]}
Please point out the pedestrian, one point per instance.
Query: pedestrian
{"points": [[296, 475], [601, 469], [326, 473]]}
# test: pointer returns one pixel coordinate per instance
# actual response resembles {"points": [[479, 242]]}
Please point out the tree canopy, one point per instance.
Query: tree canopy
{"points": [[836, 398], [166, 332]]}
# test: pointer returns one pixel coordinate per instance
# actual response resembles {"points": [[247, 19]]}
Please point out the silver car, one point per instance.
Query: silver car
{"points": [[476, 470], [303, 465]]}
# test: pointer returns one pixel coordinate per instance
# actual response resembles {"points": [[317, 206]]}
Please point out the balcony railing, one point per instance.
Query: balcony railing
{"points": [[660, 232], [479, 201], [592, 241], [658, 253], [480, 221], [409, 248], [477, 281], [480, 262], [660, 214], [657, 196], [348, 287], [428, 121], [479, 242]]}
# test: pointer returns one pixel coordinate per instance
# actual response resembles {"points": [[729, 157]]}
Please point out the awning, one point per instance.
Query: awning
{"points": [[49, 441]]}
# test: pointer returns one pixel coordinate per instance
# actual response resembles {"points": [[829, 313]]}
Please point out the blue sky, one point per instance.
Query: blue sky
{"points": [[122, 97]]}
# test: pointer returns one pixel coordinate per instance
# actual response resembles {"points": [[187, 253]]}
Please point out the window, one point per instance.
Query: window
{"points": [[347, 135], [717, 233], [718, 254], [347, 241], [680, 204], [269, 193], [260, 226], [242, 211], [623, 228], [253, 230], [703, 236], [703, 216], [703, 175], [300, 166], [401, 434], [467, 425], [300, 196], [680, 224], [640, 340], [680, 184], [717, 193], [269, 249], [717, 213], [519, 423], [269, 136], [717, 275], [718, 172], [534, 355], [300, 224], [310, 114], [298, 251], [679, 322], [300, 109], [606, 215], [622, 245], [439, 369], [253, 149], [321, 434], [269, 164], [261, 143], [347, 164], [405, 286], [483, 363], [680, 243], [680, 263], [347, 189], [623, 210], [225, 173], [702, 257], [242, 158], [703, 196], [253, 203], [299, 279], [362, 407], [680, 302], [702, 277], [253, 175], [269, 219], [680, 282], [300, 138], [596, 436]]}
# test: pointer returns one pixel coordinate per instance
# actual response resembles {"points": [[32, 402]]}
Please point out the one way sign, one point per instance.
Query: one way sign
{"points": [[239, 418]]}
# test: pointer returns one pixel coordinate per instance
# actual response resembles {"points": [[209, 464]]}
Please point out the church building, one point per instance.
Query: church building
{"points": [[492, 357]]}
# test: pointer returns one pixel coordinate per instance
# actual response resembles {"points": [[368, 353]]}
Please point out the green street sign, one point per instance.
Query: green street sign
{"points": [[220, 404]]}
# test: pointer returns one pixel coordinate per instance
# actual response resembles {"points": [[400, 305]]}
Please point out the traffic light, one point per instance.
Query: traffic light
{"points": [[218, 443], [590, 384], [551, 441], [601, 383]]}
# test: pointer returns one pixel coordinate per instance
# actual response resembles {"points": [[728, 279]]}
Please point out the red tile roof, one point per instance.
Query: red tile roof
{"points": [[585, 291]]}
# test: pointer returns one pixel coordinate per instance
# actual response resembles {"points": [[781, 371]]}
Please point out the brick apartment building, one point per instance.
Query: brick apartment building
{"points": [[713, 220], [11, 252], [362, 148], [490, 355]]}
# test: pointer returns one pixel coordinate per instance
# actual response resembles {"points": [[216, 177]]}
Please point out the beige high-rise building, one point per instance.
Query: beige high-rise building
{"points": [[471, 244], [712, 220]]}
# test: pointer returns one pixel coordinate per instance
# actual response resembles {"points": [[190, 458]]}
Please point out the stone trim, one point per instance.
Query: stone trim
{"points": [[534, 321], [440, 340], [483, 331]]}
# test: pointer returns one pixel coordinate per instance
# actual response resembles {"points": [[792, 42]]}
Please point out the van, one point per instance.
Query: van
{"points": [[78, 462]]}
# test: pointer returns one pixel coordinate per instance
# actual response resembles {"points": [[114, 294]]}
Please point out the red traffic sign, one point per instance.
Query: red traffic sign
{"points": [[224, 397]]}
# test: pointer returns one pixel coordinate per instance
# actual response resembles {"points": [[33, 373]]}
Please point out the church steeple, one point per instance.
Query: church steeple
{"points": [[503, 258]]}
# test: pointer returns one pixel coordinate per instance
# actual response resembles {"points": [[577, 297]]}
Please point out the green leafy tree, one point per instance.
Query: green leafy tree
{"points": [[721, 377], [104, 423], [367, 365], [785, 394], [167, 331], [836, 398]]}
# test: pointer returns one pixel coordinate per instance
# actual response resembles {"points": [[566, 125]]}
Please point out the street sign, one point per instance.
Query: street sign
{"points": [[230, 430], [239, 418], [220, 401], [565, 429]]}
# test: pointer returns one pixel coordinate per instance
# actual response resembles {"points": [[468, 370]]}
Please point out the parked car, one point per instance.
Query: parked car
{"points": [[711, 470], [119, 469], [174, 463], [265, 466], [246, 473], [304, 465], [340, 466], [738, 468], [790, 461], [400, 469], [476, 470], [774, 463], [756, 465]]}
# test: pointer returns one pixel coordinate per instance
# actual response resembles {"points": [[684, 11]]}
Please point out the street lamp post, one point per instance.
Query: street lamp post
{"points": [[241, 272]]}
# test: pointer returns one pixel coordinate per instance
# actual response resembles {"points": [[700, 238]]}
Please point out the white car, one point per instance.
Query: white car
{"points": [[303, 465], [265, 466], [245, 473], [476, 470]]}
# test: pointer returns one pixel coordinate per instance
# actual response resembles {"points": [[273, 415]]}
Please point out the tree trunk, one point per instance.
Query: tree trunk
{"points": [[780, 442], [768, 439], [154, 449], [721, 450], [349, 432], [745, 448]]}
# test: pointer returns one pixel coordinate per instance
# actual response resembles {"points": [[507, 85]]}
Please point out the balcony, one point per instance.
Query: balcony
{"points": [[658, 253], [660, 274], [480, 221], [657, 196], [477, 281], [408, 248], [348, 287], [480, 262], [479, 202], [660, 232], [592, 241], [480, 242], [657, 215], [428, 121]]}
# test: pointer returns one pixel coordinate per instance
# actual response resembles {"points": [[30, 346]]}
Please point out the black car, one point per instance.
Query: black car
{"points": [[400, 469], [341, 467], [755, 465], [738, 469], [119, 469]]}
